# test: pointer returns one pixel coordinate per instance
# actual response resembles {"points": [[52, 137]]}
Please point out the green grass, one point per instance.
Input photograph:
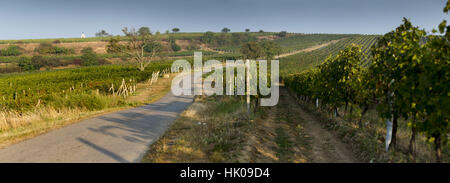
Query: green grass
{"points": [[23, 91]]}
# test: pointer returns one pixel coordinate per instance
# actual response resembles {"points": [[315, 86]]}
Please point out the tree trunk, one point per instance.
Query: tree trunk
{"points": [[345, 110], [412, 143], [247, 78], [256, 104], [366, 108], [437, 147], [336, 113], [394, 131]]}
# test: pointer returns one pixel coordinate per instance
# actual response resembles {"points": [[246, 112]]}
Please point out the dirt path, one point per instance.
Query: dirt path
{"points": [[312, 48], [306, 132]]}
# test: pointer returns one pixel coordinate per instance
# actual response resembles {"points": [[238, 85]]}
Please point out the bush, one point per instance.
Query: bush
{"points": [[26, 64], [175, 47], [89, 57], [47, 48], [282, 34], [39, 62], [11, 51], [113, 45], [56, 42], [193, 47]]}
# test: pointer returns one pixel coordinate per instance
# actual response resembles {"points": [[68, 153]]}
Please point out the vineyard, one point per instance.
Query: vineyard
{"points": [[403, 76], [303, 61], [22, 92], [294, 42], [302, 41]]}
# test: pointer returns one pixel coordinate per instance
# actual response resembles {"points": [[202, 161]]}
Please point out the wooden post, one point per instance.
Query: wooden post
{"points": [[247, 88]]}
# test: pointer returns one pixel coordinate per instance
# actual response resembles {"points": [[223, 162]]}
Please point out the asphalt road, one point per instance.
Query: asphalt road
{"points": [[122, 136]]}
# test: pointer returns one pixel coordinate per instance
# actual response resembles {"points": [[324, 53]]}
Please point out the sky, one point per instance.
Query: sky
{"points": [[32, 19]]}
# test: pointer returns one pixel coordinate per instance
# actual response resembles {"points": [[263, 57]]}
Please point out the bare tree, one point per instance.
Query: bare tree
{"points": [[142, 47]]}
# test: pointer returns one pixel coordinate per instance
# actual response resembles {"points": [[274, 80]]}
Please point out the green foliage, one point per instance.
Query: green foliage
{"points": [[208, 37], [153, 47], [47, 48], [173, 44], [12, 50], [144, 31], [102, 33], [26, 64], [307, 60], [407, 77], [302, 41], [89, 57], [22, 92], [114, 46], [252, 50], [175, 30], [225, 30], [282, 34], [271, 49]]}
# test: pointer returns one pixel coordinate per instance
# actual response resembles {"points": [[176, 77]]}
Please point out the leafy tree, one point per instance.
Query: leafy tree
{"points": [[282, 34], [225, 30], [89, 57], [393, 56], [247, 30], [173, 44], [102, 33], [114, 46], [271, 49], [144, 31], [26, 64], [261, 31], [153, 47], [175, 30], [208, 37], [136, 45], [252, 50]]}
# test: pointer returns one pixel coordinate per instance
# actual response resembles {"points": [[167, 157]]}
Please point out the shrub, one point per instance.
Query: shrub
{"points": [[11, 51], [89, 57], [63, 51], [38, 62], [282, 34], [113, 45], [56, 41], [47, 48], [192, 47], [26, 64], [175, 47]]}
